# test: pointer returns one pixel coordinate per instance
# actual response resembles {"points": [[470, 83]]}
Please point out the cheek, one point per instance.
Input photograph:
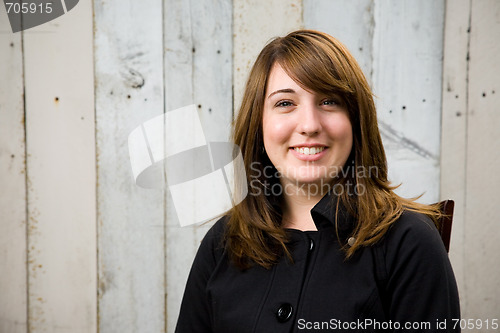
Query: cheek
{"points": [[275, 131], [341, 131]]}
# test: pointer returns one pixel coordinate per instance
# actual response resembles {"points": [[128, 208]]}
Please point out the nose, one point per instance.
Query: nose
{"points": [[309, 122]]}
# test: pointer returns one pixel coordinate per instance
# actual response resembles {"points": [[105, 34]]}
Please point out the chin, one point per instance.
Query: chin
{"points": [[311, 175], [308, 179]]}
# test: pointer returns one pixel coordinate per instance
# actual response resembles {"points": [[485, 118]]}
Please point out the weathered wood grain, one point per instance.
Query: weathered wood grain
{"points": [[483, 163], [454, 128], [255, 23], [407, 67], [353, 25], [61, 174], [198, 70], [13, 247], [129, 91]]}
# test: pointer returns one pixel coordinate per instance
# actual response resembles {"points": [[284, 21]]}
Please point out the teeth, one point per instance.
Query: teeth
{"points": [[309, 151]]}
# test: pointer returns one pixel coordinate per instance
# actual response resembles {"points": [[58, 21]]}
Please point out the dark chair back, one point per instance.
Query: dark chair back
{"points": [[445, 222]]}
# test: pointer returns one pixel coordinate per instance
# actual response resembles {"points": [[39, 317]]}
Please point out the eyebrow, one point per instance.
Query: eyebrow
{"points": [[287, 90]]}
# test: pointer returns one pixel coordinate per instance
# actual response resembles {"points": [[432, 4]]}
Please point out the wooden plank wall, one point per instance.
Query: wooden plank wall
{"points": [[470, 153], [198, 70], [453, 129], [48, 177], [483, 162], [131, 236], [61, 159], [275, 18], [13, 246], [85, 250]]}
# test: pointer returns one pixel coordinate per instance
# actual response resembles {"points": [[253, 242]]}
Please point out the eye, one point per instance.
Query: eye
{"points": [[284, 104], [330, 102]]}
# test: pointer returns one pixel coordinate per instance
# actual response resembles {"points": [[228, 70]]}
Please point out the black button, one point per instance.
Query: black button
{"points": [[311, 245], [284, 312]]}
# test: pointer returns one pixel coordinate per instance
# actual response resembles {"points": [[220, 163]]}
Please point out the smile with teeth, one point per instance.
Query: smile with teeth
{"points": [[309, 150]]}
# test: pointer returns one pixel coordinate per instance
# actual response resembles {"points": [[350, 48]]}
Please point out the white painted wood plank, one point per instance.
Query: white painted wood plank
{"points": [[212, 61], [13, 288], [61, 173], [353, 25], [483, 163], [255, 23], [129, 91], [407, 52], [454, 129], [181, 243], [198, 70]]}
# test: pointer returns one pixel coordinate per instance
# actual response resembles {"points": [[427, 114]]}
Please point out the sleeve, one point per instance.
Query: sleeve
{"points": [[421, 284], [195, 313]]}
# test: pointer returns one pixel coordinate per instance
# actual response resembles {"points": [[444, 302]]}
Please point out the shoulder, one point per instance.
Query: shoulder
{"points": [[414, 229], [413, 241], [212, 246], [419, 279], [217, 231]]}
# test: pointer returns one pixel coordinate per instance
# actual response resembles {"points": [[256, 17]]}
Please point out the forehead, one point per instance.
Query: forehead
{"points": [[279, 79]]}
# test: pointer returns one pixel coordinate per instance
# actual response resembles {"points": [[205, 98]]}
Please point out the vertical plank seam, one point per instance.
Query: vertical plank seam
{"points": [[442, 99], [97, 263], [193, 68], [26, 184], [193, 50], [466, 152], [372, 42], [165, 203], [232, 62]]}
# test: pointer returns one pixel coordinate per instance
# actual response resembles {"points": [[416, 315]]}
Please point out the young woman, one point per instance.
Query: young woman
{"points": [[321, 242]]}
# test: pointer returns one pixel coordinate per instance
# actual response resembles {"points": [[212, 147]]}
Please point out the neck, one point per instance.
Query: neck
{"points": [[297, 207]]}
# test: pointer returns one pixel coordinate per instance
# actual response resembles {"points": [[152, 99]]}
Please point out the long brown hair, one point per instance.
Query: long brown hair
{"points": [[322, 64]]}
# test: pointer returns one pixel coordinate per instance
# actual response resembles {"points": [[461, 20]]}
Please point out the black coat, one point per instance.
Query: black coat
{"points": [[404, 280]]}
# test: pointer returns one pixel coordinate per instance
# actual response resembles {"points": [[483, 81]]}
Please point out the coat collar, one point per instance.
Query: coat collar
{"points": [[326, 215]]}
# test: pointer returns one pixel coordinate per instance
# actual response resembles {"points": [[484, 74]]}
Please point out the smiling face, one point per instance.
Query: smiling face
{"points": [[307, 136]]}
